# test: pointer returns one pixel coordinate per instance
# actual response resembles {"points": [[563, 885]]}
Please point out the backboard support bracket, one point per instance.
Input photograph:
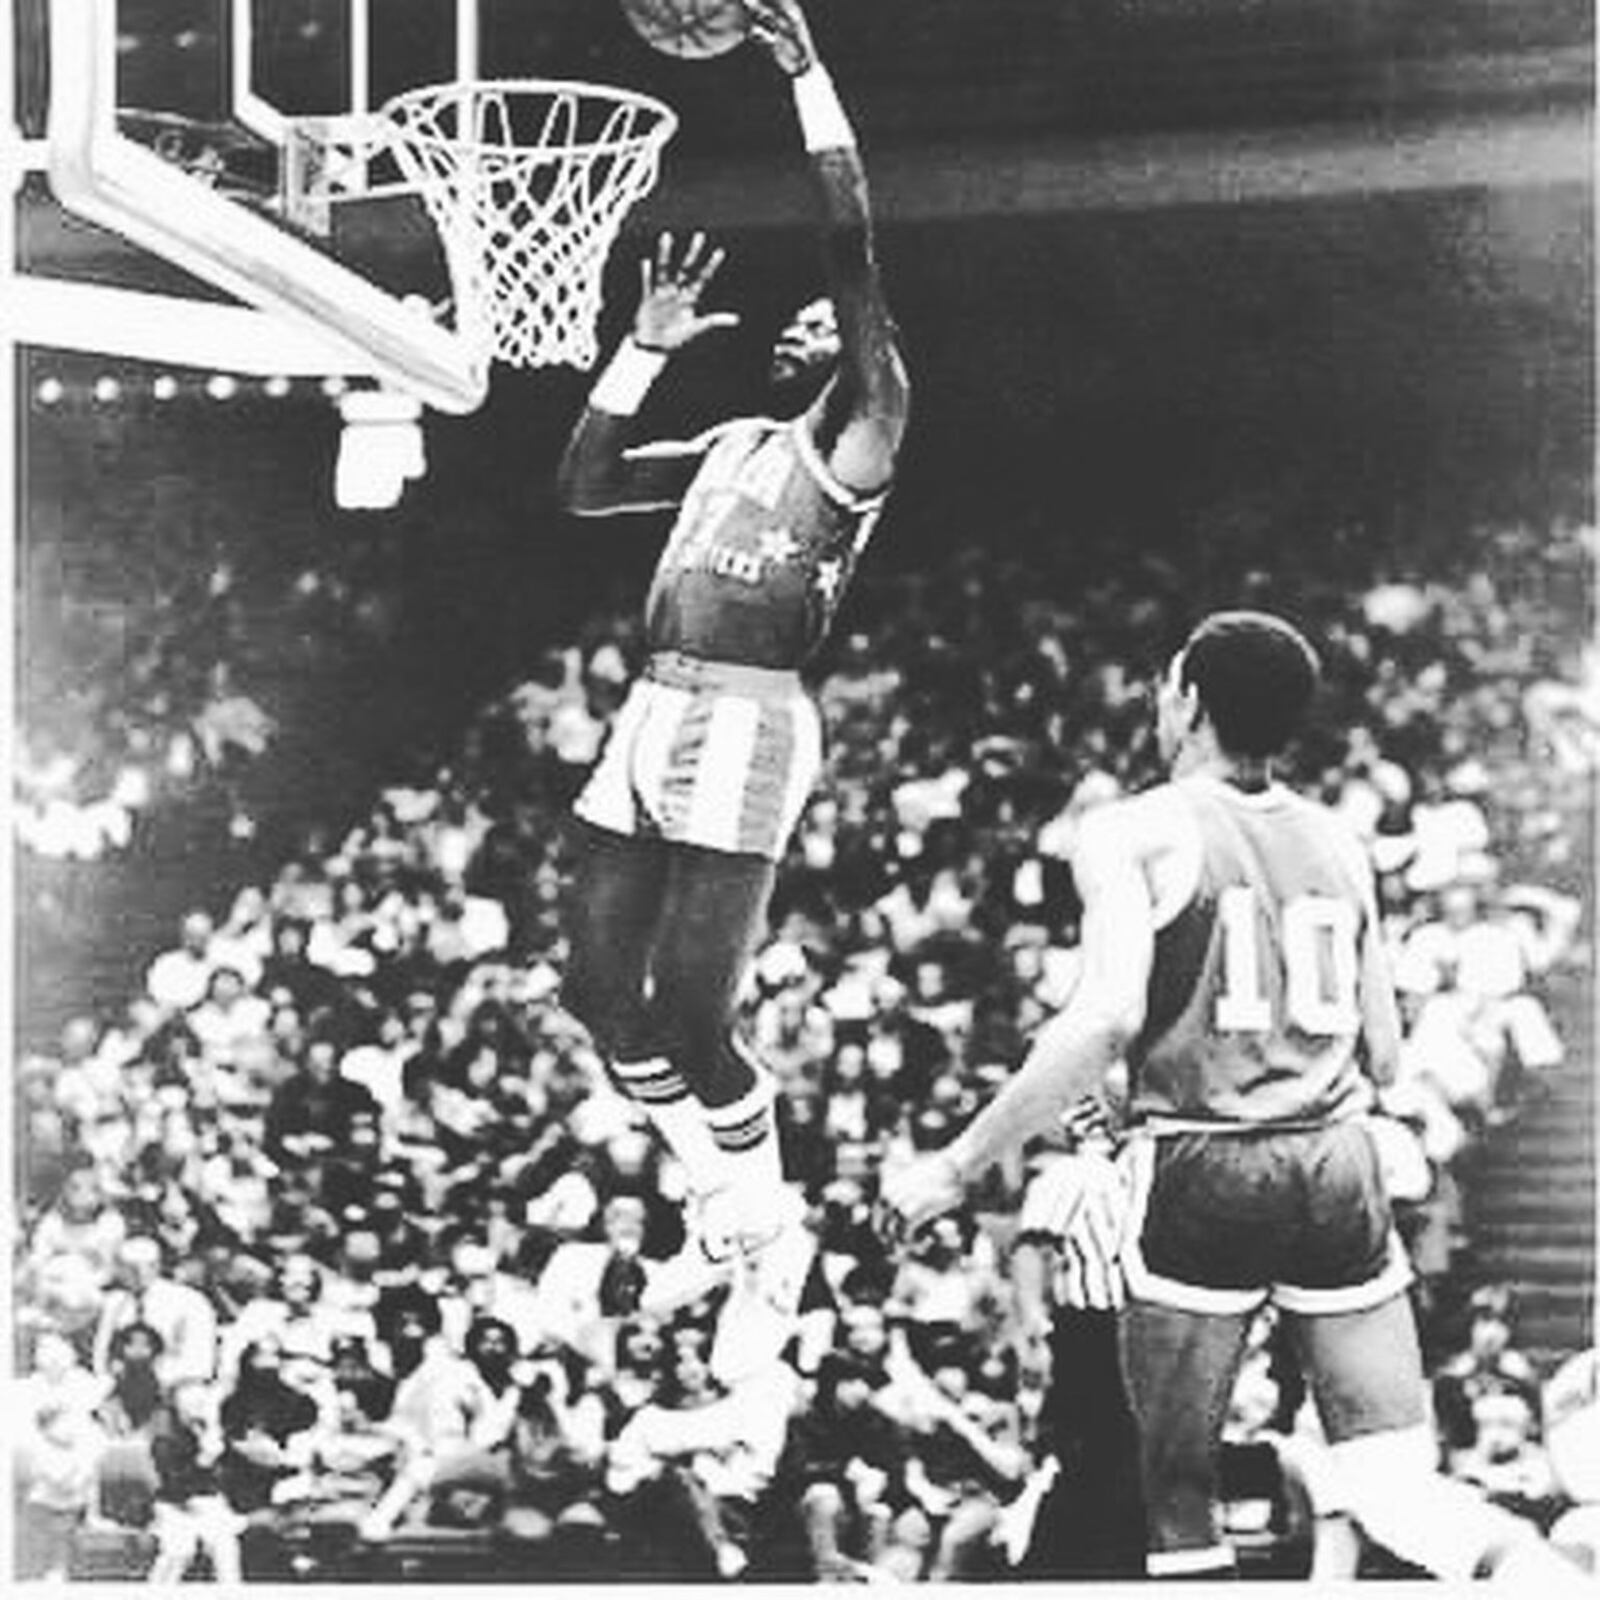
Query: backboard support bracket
{"points": [[115, 183]]}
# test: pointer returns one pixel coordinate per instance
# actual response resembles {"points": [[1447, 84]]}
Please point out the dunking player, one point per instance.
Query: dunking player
{"points": [[717, 746], [1232, 956]]}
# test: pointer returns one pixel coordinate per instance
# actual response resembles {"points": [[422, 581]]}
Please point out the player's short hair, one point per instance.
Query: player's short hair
{"points": [[1255, 675]]}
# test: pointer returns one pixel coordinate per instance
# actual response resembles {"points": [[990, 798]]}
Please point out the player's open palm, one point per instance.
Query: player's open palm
{"points": [[780, 27], [669, 314]]}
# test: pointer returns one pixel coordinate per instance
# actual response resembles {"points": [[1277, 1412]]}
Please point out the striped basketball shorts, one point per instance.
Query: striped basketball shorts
{"points": [[708, 753]]}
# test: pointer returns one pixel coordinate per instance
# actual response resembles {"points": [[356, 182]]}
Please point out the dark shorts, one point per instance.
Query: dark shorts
{"points": [[1224, 1221]]}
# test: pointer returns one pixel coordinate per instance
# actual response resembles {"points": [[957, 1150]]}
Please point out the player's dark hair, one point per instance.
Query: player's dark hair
{"points": [[1255, 675]]}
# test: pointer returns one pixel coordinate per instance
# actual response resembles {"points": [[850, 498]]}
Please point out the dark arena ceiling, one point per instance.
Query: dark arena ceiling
{"points": [[929, 69]]}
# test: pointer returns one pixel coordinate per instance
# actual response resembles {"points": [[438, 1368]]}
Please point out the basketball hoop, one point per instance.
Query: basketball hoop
{"points": [[528, 181]]}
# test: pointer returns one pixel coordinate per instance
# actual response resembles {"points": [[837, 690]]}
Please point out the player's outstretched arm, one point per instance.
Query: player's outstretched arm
{"points": [[599, 474], [860, 418], [1073, 1051]]}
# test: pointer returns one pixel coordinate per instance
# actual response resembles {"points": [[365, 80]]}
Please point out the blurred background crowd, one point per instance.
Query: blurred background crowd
{"points": [[340, 1257], [335, 1254]]}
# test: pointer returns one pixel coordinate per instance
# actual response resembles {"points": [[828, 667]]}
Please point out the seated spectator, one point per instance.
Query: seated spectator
{"points": [[465, 926], [378, 1065], [963, 1466], [301, 892], [1441, 1050], [557, 1457], [803, 1139], [58, 1379], [859, 1517], [57, 1461], [80, 1222], [345, 942], [192, 1519], [235, 1179], [700, 1456], [1488, 953], [231, 1024], [589, 1287], [793, 1035], [178, 978], [442, 1407], [492, 1347], [1507, 1462], [353, 1374], [631, 1163], [181, 1316], [243, 940], [938, 1291], [299, 1323], [138, 1403], [483, 1294], [267, 1428], [312, 1112], [1488, 1365], [63, 1293], [351, 1451], [288, 971], [848, 1242], [89, 1088]]}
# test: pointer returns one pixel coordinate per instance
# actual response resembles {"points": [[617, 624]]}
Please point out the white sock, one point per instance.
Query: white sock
{"points": [[676, 1115], [746, 1136]]}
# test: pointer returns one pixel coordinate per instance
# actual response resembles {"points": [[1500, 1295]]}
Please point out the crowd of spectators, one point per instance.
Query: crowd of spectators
{"points": [[163, 666], [340, 1253]]}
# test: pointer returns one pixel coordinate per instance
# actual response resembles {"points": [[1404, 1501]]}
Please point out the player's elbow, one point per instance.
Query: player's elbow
{"points": [[581, 492], [1117, 1018], [1120, 1031], [574, 486]]}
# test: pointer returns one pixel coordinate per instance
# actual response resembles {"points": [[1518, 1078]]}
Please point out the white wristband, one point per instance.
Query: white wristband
{"points": [[823, 123], [621, 388]]}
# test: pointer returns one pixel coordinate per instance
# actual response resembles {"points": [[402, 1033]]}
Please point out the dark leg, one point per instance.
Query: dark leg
{"points": [[713, 914], [1181, 1368], [614, 918], [1091, 1523]]}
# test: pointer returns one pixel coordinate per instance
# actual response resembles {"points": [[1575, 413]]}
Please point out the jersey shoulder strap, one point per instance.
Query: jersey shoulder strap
{"points": [[840, 494]]}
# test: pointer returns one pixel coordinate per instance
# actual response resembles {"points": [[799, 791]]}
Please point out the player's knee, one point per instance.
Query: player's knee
{"points": [[1179, 1465], [613, 1014], [693, 1018]]}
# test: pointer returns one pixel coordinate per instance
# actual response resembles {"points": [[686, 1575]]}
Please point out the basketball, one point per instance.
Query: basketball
{"points": [[692, 30]]}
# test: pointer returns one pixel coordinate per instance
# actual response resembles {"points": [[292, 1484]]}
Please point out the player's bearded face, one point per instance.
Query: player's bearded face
{"points": [[809, 345]]}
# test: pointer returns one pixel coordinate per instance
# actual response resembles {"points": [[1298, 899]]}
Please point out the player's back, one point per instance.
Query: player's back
{"points": [[1255, 1008]]}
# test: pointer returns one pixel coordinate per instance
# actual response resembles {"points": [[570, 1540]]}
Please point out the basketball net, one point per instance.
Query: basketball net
{"points": [[528, 182]]}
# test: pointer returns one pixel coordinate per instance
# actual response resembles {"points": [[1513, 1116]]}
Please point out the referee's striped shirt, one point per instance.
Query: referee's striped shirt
{"points": [[1079, 1203]]}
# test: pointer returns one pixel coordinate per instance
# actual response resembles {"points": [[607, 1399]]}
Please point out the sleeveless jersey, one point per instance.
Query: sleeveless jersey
{"points": [[763, 547], [1254, 1008]]}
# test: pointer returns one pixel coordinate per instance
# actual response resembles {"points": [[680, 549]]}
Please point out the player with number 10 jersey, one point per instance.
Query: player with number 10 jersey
{"points": [[1256, 1008]]}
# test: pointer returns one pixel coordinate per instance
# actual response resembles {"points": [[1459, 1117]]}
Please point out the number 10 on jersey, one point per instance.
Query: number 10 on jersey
{"points": [[1315, 938]]}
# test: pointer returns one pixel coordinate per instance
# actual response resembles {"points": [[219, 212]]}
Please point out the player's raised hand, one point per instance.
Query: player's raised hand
{"points": [[780, 27], [671, 285]]}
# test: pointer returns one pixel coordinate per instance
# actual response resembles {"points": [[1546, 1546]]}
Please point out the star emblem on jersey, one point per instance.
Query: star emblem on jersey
{"points": [[830, 574], [778, 544]]}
